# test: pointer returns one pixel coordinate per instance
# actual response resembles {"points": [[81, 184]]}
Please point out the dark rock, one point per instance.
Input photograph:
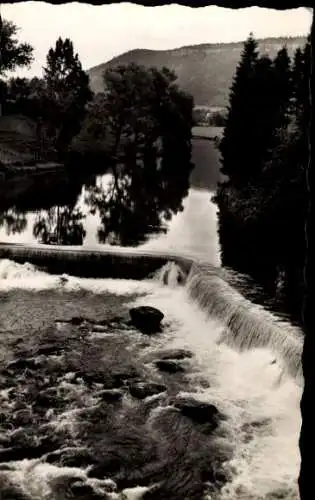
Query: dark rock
{"points": [[3, 417], [22, 364], [142, 390], [49, 349], [104, 470], [176, 354], [109, 395], [169, 366], [47, 398], [23, 446], [81, 459], [23, 417], [77, 320], [199, 412], [90, 378], [146, 319], [80, 489], [121, 378], [20, 405]]}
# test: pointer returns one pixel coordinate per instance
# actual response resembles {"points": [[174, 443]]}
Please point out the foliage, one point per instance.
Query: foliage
{"points": [[66, 93], [261, 216], [139, 132], [13, 53], [142, 126], [60, 225], [146, 124], [259, 106]]}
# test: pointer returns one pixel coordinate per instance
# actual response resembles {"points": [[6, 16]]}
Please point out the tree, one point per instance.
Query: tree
{"points": [[261, 219], [142, 117], [94, 144], [13, 54], [146, 121], [237, 132], [259, 108], [300, 83], [67, 93], [60, 225], [283, 89]]}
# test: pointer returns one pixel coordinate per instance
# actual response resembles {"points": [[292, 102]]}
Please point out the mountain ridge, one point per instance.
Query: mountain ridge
{"points": [[204, 70]]}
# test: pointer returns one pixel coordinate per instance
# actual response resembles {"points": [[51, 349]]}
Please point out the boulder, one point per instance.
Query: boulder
{"points": [[109, 395], [177, 354], [77, 320], [22, 364], [169, 366], [142, 390], [23, 417], [199, 412], [80, 489], [146, 319]]}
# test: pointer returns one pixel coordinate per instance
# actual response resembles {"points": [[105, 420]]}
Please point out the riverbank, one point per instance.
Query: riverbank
{"points": [[19, 149]]}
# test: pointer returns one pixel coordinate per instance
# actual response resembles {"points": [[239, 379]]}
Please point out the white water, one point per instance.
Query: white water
{"points": [[261, 397]]}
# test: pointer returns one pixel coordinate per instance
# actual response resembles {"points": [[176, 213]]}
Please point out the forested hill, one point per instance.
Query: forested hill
{"points": [[205, 71]]}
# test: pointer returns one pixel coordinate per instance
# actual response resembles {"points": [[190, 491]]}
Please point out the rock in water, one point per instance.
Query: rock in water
{"points": [[169, 366], [146, 319], [199, 412], [177, 354], [142, 390]]}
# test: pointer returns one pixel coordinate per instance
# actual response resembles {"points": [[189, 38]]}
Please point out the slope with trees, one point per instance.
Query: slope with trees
{"points": [[262, 204], [204, 71]]}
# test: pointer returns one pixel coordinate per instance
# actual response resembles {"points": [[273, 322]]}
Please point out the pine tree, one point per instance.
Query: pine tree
{"points": [[234, 143], [297, 80], [67, 93], [283, 88]]}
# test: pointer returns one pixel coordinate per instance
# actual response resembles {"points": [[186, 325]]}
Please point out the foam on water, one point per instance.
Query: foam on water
{"points": [[248, 325], [28, 277], [261, 402], [249, 385]]}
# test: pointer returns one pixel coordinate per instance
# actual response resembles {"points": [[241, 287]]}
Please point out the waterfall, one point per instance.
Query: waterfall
{"points": [[248, 325]]}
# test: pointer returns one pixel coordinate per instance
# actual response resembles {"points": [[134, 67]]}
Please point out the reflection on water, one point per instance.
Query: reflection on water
{"points": [[67, 209]]}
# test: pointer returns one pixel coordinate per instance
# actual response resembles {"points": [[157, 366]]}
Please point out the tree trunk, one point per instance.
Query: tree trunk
{"points": [[307, 435]]}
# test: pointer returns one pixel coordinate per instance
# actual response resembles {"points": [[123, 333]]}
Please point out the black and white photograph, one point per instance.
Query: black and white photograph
{"points": [[153, 198]]}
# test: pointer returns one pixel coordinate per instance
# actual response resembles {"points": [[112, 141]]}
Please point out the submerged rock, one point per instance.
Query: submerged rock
{"points": [[23, 417], [169, 366], [109, 395], [146, 319], [142, 390], [49, 349], [81, 489], [77, 320], [177, 354], [199, 412], [21, 364]]}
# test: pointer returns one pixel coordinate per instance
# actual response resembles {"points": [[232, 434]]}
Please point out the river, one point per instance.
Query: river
{"points": [[245, 360]]}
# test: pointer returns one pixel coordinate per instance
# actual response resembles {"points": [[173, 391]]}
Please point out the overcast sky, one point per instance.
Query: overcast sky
{"points": [[102, 32]]}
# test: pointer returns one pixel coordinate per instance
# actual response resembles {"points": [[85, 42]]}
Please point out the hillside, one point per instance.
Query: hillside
{"points": [[17, 139], [205, 71]]}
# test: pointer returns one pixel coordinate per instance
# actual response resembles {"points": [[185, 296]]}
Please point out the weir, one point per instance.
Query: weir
{"points": [[248, 325], [118, 262]]}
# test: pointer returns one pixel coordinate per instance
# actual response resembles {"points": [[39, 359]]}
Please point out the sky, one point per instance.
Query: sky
{"points": [[102, 32]]}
